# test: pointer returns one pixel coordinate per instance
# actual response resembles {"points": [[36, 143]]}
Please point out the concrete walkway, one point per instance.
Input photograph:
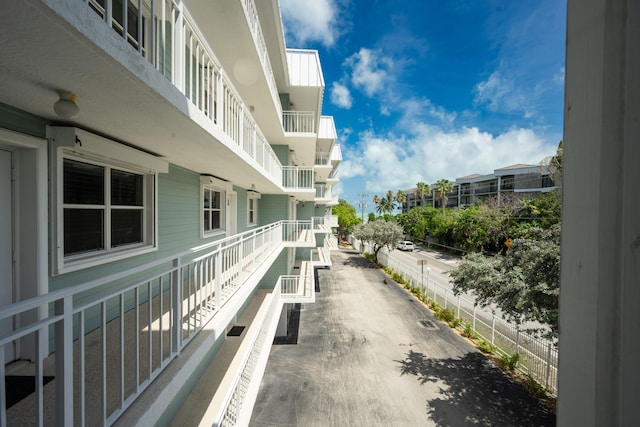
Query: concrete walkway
{"points": [[369, 354]]}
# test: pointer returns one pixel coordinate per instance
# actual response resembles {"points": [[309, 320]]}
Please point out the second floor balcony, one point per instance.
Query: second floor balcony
{"points": [[106, 341], [179, 100]]}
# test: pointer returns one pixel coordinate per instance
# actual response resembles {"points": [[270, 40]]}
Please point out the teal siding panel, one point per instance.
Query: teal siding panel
{"points": [[241, 214], [278, 268], [282, 152], [23, 122], [272, 208]]}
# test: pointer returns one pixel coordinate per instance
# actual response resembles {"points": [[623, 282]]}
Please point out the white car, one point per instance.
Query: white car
{"points": [[406, 245]]}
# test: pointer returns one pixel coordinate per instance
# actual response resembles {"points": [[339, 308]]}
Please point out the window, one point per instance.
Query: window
{"points": [[213, 209], [252, 208], [106, 209], [104, 200]]}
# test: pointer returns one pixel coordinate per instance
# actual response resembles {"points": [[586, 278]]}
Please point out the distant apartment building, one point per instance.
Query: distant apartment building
{"points": [[521, 180], [166, 186]]}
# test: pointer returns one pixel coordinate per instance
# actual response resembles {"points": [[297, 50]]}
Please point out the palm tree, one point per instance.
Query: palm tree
{"points": [[401, 197], [422, 189], [442, 188], [388, 203], [378, 202]]}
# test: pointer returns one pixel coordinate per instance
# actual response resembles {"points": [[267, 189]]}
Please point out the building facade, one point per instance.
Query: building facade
{"points": [[524, 181], [166, 190]]}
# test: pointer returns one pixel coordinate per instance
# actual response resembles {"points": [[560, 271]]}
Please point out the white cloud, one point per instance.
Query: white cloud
{"points": [[310, 20], [340, 96], [430, 153], [558, 78], [369, 71], [501, 94]]}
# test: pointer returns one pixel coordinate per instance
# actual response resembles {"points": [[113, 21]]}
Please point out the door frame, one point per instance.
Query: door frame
{"points": [[30, 225]]}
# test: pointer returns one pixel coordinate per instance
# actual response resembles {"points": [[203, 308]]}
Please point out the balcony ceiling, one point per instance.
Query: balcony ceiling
{"points": [[121, 95]]}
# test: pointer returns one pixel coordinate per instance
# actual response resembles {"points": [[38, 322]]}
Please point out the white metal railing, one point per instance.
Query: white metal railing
{"points": [[323, 159], [297, 232], [172, 42], [336, 153], [298, 177], [538, 356], [324, 222], [323, 191], [334, 175], [116, 334], [246, 368], [258, 38], [298, 121]]}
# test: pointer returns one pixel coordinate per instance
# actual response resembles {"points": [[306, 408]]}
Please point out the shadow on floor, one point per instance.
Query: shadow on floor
{"points": [[293, 327], [474, 392]]}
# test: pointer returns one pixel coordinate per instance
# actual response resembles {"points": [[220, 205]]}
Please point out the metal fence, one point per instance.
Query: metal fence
{"points": [[538, 357]]}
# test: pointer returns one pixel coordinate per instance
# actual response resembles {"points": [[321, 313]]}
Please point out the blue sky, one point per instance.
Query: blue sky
{"points": [[427, 89]]}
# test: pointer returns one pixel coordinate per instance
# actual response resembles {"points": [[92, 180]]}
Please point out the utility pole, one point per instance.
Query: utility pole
{"points": [[363, 203]]}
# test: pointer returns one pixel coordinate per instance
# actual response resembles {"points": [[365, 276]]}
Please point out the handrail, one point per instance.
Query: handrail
{"points": [[180, 52], [185, 291]]}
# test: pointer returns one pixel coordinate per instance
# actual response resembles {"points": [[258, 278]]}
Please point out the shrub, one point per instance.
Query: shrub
{"points": [[445, 314], [455, 322], [468, 331], [485, 347], [509, 363]]}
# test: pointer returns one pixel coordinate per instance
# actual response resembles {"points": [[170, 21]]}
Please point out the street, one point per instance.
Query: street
{"points": [[370, 354]]}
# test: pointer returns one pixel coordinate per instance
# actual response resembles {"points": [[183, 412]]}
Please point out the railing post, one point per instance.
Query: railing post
{"points": [[458, 314], [493, 328], [517, 339], [177, 306], [64, 362], [546, 381], [217, 268], [475, 307]]}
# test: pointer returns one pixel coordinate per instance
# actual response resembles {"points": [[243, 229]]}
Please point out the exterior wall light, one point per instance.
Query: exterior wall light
{"points": [[66, 106]]}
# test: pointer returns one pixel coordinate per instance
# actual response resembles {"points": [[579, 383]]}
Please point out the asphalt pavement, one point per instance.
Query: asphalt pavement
{"points": [[369, 354]]}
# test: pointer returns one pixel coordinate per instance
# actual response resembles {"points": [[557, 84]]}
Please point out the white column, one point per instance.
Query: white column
{"points": [[600, 276]]}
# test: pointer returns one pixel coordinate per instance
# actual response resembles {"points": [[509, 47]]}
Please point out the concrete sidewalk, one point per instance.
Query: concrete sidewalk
{"points": [[369, 354]]}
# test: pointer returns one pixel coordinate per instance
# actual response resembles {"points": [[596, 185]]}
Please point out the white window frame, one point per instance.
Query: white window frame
{"points": [[211, 183], [78, 145], [252, 196]]}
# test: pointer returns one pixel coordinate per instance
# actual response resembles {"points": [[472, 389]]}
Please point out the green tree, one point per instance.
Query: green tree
{"points": [[543, 211], [442, 189], [422, 190], [378, 202], [553, 165], [379, 234], [347, 217], [524, 284], [401, 197], [385, 204]]}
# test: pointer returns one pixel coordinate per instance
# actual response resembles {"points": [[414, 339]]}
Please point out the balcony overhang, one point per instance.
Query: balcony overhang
{"points": [[67, 46]]}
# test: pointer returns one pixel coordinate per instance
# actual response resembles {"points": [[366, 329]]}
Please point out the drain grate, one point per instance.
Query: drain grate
{"points": [[427, 324], [235, 331]]}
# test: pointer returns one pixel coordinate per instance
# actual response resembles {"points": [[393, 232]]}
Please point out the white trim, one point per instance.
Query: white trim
{"points": [[255, 196], [81, 142], [17, 142], [222, 231], [80, 145]]}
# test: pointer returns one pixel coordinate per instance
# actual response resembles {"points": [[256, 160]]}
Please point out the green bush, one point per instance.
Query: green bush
{"points": [[467, 331], [455, 322], [536, 387], [485, 346], [509, 363], [445, 315]]}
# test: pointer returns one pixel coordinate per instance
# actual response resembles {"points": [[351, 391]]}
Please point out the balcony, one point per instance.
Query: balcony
{"points": [[149, 313], [299, 122], [299, 181], [325, 196], [176, 87]]}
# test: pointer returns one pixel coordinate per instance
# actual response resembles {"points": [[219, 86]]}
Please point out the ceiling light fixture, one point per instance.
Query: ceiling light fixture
{"points": [[66, 106]]}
